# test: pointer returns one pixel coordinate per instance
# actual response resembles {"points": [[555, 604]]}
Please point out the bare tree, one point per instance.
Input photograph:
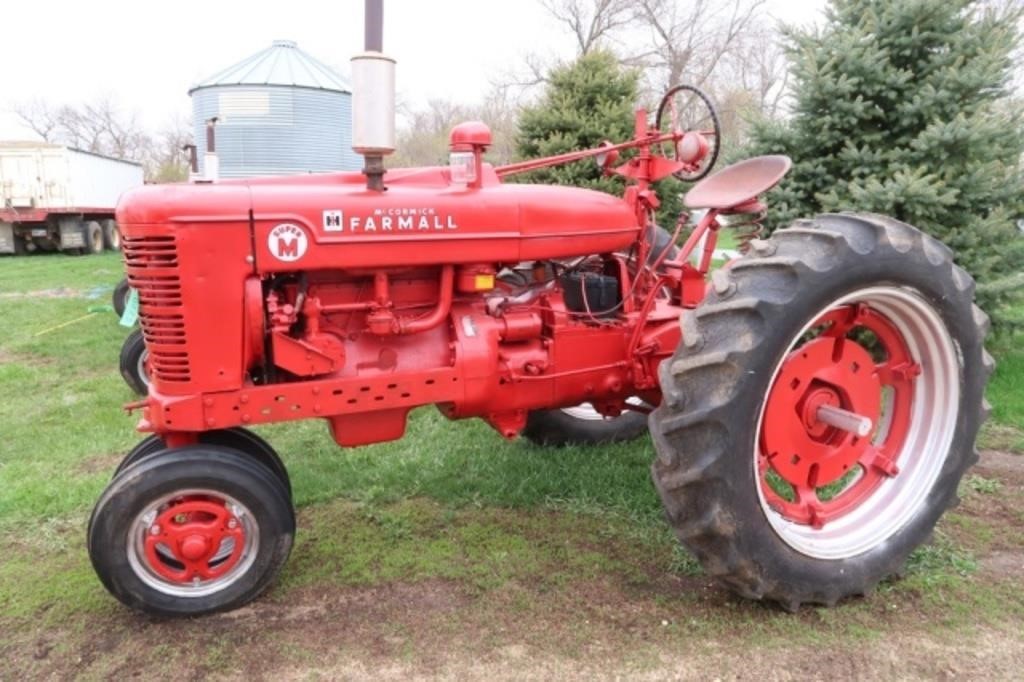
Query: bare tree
{"points": [[689, 38], [39, 117], [423, 141], [102, 127], [758, 65], [590, 20], [98, 126], [165, 159]]}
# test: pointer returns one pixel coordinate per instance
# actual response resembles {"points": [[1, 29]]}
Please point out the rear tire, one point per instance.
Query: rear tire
{"points": [[93, 237], [742, 352], [191, 531], [133, 361]]}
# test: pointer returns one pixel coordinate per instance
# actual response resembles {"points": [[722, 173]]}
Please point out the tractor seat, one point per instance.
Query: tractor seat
{"points": [[739, 183]]}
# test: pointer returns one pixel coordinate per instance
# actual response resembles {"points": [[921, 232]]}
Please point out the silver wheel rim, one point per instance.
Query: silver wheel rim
{"points": [[141, 367], [932, 427], [139, 562], [587, 412]]}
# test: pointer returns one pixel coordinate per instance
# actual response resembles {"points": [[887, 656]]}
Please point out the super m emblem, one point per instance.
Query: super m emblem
{"points": [[287, 242]]}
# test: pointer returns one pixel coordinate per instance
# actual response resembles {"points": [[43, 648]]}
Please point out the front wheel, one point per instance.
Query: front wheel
{"points": [[237, 438], [191, 531], [134, 362], [821, 409], [122, 292]]}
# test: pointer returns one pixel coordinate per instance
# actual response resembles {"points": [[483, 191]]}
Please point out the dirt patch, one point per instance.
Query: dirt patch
{"points": [[436, 629], [1005, 465], [59, 292], [99, 464], [1003, 565], [635, 621], [8, 357]]}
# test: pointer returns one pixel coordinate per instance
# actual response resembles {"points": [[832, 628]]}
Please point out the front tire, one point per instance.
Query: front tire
{"points": [[237, 438], [857, 315], [122, 292], [191, 531], [134, 361]]}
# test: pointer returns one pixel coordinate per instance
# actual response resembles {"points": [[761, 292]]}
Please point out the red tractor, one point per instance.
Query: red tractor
{"points": [[813, 404]]}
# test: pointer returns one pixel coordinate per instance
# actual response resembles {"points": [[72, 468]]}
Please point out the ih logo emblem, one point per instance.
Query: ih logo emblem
{"points": [[333, 220], [287, 242]]}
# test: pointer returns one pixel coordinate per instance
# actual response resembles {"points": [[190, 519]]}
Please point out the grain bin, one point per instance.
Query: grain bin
{"points": [[279, 112]]}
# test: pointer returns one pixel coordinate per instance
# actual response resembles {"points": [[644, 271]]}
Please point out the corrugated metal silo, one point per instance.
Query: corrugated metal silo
{"points": [[279, 112]]}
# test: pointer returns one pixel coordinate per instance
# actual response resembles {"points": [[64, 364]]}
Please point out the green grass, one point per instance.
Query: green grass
{"points": [[40, 272], [1005, 431], [452, 501]]}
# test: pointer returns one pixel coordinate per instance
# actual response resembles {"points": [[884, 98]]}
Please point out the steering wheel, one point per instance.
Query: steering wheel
{"points": [[686, 109]]}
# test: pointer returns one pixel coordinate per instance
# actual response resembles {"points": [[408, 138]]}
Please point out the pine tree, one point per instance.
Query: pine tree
{"points": [[586, 102], [901, 108]]}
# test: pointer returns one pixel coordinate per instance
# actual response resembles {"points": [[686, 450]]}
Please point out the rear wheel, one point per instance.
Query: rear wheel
{"points": [[134, 362], [190, 531], [821, 409]]}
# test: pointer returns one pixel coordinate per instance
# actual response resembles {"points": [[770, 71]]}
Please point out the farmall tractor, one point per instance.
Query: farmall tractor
{"points": [[813, 404]]}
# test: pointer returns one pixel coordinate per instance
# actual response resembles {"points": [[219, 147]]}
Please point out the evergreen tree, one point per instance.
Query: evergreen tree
{"points": [[586, 102], [900, 107]]}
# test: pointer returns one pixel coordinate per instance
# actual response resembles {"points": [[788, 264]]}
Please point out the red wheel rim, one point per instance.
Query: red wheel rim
{"points": [[194, 539], [192, 542], [812, 472]]}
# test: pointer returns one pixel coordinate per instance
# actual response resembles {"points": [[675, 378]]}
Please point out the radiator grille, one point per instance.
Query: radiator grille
{"points": [[152, 266]]}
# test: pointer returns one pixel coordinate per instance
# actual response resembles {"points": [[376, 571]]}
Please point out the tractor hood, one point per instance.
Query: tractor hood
{"points": [[332, 220]]}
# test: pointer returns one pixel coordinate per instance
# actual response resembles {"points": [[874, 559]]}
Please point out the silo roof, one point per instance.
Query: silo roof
{"points": [[283, 63]]}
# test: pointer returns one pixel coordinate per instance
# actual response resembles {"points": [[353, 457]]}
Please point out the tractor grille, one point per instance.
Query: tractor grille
{"points": [[152, 265]]}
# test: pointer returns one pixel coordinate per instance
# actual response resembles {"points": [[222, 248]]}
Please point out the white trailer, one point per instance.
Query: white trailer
{"points": [[54, 197]]}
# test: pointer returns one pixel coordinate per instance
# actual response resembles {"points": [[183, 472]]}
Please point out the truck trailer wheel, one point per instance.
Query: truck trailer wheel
{"points": [[191, 531], [93, 237], [237, 438], [111, 236], [134, 359], [821, 409]]}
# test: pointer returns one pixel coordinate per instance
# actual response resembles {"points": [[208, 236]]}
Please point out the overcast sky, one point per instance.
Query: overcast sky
{"points": [[148, 53]]}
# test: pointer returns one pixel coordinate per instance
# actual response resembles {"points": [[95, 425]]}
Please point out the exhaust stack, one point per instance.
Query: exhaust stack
{"points": [[373, 99], [193, 162], [211, 164]]}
